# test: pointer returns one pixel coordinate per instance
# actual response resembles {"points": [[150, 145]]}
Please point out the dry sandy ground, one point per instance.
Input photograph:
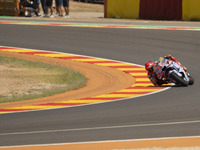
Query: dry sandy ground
{"points": [[175, 148], [18, 81], [85, 7], [102, 80]]}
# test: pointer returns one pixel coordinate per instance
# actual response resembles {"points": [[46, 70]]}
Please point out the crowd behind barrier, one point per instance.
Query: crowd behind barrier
{"points": [[44, 8], [40, 8]]}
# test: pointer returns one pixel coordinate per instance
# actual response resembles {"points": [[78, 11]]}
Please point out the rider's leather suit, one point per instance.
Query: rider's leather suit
{"points": [[156, 75]]}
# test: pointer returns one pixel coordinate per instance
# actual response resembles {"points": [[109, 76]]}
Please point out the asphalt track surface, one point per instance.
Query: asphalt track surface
{"points": [[172, 113]]}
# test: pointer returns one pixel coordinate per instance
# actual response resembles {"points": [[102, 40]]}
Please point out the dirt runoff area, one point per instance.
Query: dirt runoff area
{"points": [[159, 144], [101, 80], [11, 85], [85, 7], [82, 11]]}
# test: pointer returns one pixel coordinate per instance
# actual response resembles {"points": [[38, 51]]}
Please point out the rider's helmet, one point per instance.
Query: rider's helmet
{"points": [[149, 66]]}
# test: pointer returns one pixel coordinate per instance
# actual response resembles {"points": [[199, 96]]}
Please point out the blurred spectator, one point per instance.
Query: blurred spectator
{"points": [[28, 8], [43, 2], [34, 7], [39, 7], [49, 8], [59, 6], [66, 8]]}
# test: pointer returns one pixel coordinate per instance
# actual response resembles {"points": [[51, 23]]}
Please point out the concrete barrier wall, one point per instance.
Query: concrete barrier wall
{"points": [[153, 9], [161, 9], [191, 10], [123, 9], [9, 7]]}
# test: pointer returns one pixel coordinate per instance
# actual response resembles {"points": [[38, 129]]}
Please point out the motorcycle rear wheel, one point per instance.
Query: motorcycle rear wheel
{"points": [[178, 79]]}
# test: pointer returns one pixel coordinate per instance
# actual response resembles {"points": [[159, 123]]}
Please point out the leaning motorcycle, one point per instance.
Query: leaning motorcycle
{"points": [[172, 72]]}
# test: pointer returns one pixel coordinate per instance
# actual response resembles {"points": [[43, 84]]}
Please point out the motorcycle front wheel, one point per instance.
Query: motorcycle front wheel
{"points": [[191, 82]]}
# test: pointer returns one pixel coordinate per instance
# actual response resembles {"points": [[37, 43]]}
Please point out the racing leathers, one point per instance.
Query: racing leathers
{"points": [[156, 75]]}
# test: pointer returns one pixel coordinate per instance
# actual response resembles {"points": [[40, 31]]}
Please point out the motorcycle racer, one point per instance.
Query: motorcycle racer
{"points": [[155, 73], [150, 66]]}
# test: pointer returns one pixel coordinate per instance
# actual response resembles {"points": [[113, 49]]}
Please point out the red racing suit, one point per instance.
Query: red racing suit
{"points": [[155, 80], [155, 77]]}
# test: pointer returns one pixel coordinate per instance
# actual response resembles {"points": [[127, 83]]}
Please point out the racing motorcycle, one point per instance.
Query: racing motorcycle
{"points": [[172, 72]]}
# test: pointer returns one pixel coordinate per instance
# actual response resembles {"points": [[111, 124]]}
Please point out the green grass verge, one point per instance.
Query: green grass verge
{"points": [[28, 80]]}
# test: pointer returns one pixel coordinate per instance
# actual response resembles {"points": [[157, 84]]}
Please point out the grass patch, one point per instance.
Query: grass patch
{"points": [[23, 80]]}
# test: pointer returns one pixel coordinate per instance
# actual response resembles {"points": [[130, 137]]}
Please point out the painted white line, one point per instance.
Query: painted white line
{"points": [[107, 141], [101, 128]]}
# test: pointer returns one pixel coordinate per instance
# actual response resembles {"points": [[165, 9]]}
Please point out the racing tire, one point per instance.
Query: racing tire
{"points": [[178, 79], [191, 82]]}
